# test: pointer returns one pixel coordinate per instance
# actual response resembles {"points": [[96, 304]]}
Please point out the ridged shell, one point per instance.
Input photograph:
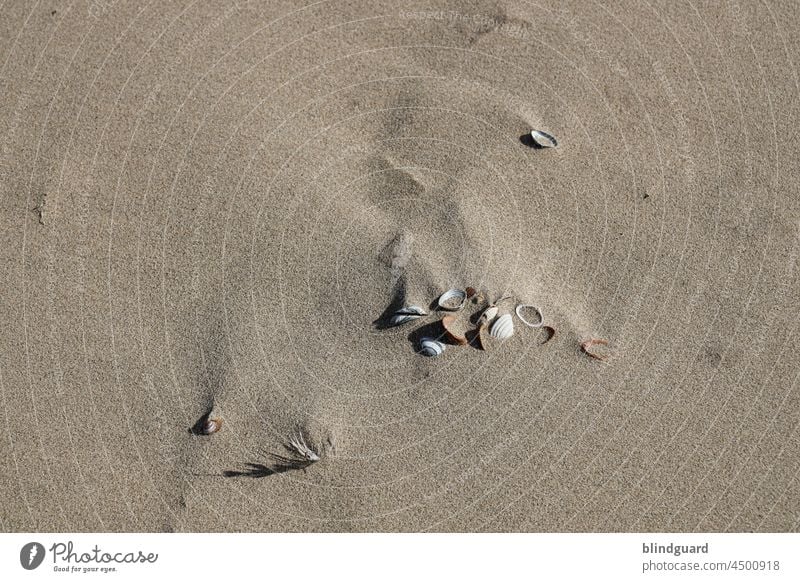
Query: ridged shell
{"points": [[543, 139], [430, 347], [211, 425], [503, 328], [406, 314]]}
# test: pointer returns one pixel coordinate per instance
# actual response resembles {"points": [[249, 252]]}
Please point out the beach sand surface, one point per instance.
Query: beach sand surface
{"points": [[206, 208]]}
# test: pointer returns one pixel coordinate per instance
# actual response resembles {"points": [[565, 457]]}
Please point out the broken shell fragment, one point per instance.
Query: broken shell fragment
{"points": [[449, 325], [503, 328], [589, 347], [543, 139], [431, 347], [452, 300], [211, 425], [521, 309], [406, 314]]}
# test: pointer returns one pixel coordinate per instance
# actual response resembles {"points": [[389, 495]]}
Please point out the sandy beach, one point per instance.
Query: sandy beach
{"points": [[210, 210]]}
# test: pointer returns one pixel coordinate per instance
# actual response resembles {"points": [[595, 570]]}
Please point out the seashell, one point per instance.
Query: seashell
{"points": [[406, 314], [588, 348], [489, 314], [452, 300], [543, 139], [520, 309], [431, 347], [503, 328], [470, 291], [448, 323], [211, 425]]}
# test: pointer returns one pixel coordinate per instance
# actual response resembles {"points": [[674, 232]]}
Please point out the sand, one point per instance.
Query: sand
{"points": [[207, 206]]}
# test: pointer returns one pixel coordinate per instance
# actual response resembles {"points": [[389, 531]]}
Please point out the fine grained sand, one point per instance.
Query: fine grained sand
{"points": [[209, 206]]}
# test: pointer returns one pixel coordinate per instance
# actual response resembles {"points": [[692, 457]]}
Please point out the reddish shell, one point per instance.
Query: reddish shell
{"points": [[447, 324]]}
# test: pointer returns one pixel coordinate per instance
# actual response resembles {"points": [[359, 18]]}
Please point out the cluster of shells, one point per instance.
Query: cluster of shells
{"points": [[490, 320]]}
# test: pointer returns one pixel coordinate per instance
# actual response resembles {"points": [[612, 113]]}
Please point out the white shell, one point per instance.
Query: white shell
{"points": [[519, 309], [458, 294], [407, 314], [489, 314], [431, 347], [543, 139], [503, 328]]}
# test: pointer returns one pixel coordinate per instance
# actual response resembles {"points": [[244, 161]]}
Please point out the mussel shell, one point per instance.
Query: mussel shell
{"points": [[406, 314], [411, 310], [503, 328], [543, 139], [430, 347]]}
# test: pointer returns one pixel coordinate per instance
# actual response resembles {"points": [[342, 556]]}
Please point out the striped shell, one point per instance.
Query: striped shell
{"points": [[431, 347], [407, 314], [211, 425], [503, 328]]}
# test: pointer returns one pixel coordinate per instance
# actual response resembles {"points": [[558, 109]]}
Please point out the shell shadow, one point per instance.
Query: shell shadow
{"points": [[197, 428], [279, 464], [527, 140], [398, 301], [434, 330]]}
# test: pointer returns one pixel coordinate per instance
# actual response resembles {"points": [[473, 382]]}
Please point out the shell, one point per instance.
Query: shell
{"points": [[449, 295], [406, 314], [588, 345], [211, 425], [430, 347], [489, 314], [547, 333], [448, 322], [503, 328], [522, 306], [543, 139]]}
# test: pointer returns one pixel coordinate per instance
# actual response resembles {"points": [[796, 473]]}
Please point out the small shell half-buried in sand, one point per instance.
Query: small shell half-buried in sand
{"points": [[430, 347], [543, 139], [211, 425]]}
